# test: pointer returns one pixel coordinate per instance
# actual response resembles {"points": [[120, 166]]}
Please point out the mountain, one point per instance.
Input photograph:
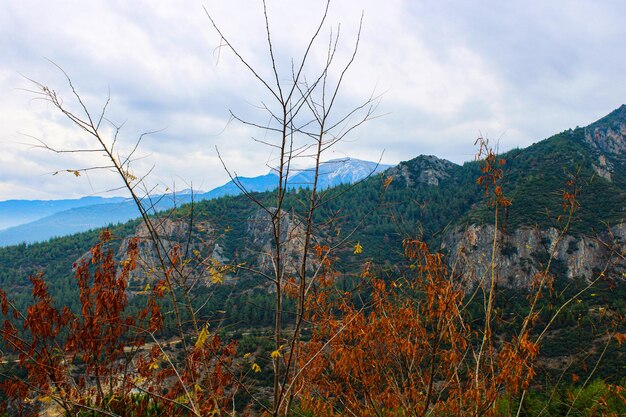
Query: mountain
{"points": [[81, 218], [16, 212], [36, 221], [337, 171], [428, 198], [261, 183], [331, 174], [435, 200], [66, 222]]}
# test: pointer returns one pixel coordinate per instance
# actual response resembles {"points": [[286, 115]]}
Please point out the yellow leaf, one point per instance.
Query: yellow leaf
{"points": [[154, 365], [216, 276], [246, 356], [182, 399], [388, 181], [146, 288], [216, 271], [256, 368], [45, 399], [276, 354], [202, 337], [129, 176], [163, 287], [358, 248]]}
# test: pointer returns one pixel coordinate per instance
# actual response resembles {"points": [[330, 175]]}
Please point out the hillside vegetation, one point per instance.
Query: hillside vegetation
{"points": [[368, 225]]}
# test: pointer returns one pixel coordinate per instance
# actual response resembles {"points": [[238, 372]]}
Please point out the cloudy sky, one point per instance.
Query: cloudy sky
{"points": [[446, 71]]}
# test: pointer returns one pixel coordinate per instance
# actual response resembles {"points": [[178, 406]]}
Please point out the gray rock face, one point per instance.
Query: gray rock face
{"points": [[604, 168], [200, 248], [261, 237], [525, 252], [424, 170], [607, 140], [610, 141]]}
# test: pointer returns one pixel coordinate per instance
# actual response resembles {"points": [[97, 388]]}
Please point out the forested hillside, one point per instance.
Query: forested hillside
{"points": [[226, 243], [426, 198]]}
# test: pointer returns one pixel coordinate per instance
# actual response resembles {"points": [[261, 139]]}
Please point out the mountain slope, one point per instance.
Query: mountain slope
{"points": [[428, 198], [65, 217], [16, 212], [536, 177]]}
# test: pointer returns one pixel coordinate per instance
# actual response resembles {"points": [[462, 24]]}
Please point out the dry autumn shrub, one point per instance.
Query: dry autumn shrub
{"points": [[410, 350], [103, 360]]}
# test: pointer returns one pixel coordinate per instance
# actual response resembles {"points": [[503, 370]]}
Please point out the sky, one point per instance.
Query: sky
{"points": [[442, 72]]}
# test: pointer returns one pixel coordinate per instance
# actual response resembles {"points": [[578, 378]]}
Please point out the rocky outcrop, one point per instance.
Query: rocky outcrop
{"points": [[610, 140], [199, 250], [261, 237], [526, 251], [195, 242], [424, 170], [607, 140]]}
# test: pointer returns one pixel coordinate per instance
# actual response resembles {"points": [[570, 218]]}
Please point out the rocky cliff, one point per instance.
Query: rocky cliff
{"points": [[606, 139], [423, 170], [526, 251]]}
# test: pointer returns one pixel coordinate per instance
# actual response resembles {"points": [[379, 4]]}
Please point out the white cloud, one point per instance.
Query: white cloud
{"points": [[447, 70]]}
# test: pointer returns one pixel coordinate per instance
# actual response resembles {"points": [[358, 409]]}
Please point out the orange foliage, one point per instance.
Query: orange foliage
{"points": [[57, 343], [96, 359], [410, 348]]}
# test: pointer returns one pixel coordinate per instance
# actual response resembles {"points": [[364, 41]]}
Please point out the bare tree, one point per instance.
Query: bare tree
{"points": [[305, 122]]}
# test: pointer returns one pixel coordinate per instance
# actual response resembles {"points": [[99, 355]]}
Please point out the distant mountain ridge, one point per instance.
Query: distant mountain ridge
{"points": [[332, 173], [600, 147], [35, 221], [16, 212]]}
